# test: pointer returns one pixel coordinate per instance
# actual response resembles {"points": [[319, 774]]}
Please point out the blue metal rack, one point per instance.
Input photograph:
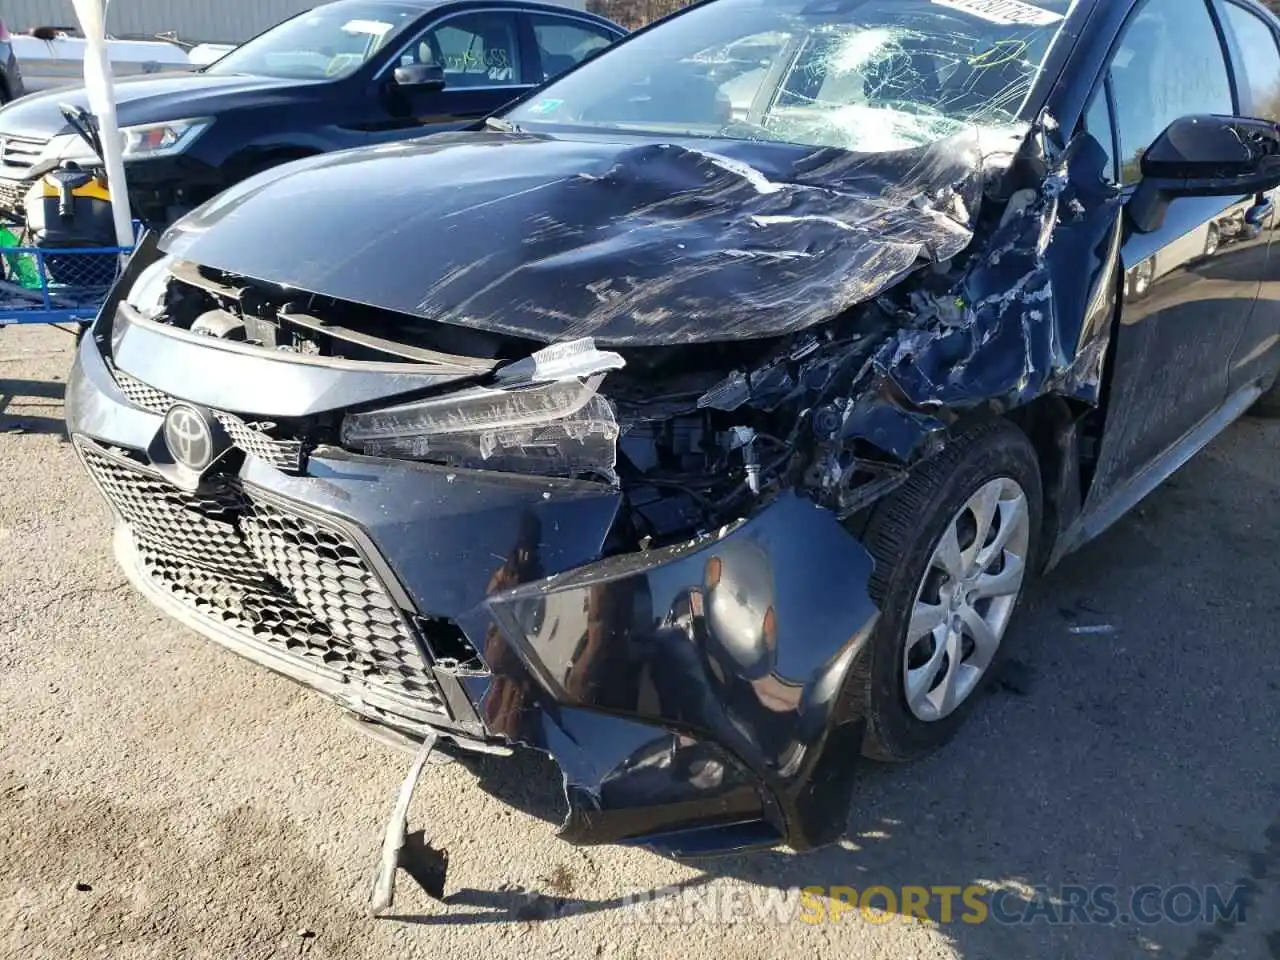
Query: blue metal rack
{"points": [[62, 285]]}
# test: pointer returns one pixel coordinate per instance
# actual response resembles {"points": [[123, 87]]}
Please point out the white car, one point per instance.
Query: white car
{"points": [[54, 57], [204, 54]]}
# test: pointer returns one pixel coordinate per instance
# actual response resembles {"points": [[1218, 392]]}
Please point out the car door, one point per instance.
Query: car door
{"points": [[1249, 246], [561, 42], [1181, 316], [485, 66]]}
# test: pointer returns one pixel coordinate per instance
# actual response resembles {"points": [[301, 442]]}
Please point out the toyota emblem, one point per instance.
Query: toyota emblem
{"points": [[189, 437]]}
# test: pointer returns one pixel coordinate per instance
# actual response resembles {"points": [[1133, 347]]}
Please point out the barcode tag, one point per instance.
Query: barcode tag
{"points": [[1007, 12]]}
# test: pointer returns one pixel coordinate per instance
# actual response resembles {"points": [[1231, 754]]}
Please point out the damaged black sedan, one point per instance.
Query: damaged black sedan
{"points": [[700, 420]]}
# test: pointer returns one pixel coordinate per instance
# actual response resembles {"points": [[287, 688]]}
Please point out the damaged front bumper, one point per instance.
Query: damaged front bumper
{"points": [[691, 695]]}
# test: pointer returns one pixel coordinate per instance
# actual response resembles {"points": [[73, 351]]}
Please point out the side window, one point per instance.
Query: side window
{"points": [[1097, 121], [475, 50], [564, 43], [1261, 61], [1169, 63]]}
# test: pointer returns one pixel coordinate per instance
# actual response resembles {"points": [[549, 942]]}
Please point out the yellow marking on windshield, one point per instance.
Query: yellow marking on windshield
{"points": [[1002, 51]]}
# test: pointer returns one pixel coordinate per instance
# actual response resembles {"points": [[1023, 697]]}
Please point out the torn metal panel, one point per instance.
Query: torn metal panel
{"points": [[626, 780], [982, 332], [1007, 332]]}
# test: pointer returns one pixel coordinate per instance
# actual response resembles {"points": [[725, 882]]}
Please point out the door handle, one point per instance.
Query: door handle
{"points": [[1257, 217]]}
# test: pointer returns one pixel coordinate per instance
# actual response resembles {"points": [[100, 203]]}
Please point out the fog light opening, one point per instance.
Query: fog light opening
{"points": [[448, 645]]}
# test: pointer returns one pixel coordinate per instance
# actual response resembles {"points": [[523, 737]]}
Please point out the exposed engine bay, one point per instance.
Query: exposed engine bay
{"points": [[726, 424], [692, 432]]}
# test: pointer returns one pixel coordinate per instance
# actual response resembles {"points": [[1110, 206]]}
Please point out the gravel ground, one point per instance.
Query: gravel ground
{"points": [[161, 798]]}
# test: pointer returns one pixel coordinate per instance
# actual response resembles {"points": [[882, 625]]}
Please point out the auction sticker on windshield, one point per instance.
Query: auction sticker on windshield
{"points": [[1006, 12], [550, 105], [374, 28]]}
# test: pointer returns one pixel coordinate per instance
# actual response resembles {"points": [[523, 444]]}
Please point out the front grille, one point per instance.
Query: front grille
{"points": [[13, 197], [19, 154], [284, 454], [251, 438], [142, 395], [281, 581]]}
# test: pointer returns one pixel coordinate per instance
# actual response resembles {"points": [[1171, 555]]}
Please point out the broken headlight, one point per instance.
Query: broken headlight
{"points": [[147, 295], [562, 428]]}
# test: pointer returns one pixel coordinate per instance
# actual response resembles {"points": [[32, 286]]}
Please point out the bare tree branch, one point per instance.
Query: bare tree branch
{"points": [[637, 13]]}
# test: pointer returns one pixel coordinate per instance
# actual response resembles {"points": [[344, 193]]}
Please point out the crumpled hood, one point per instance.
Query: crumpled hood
{"points": [[150, 99], [627, 241]]}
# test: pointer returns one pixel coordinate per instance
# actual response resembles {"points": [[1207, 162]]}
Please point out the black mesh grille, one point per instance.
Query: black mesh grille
{"points": [[284, 454], [142, 395], [279, 579]]}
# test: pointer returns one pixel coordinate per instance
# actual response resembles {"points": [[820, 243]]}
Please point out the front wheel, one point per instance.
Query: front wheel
{"points": [[953, 549], [1268, 404]]}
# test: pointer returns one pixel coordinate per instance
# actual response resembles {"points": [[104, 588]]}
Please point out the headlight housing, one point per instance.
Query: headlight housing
{"points": [[144, 140], [559, 429], [544, 417]]}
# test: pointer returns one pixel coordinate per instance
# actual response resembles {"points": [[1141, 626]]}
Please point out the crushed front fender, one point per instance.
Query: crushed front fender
{"points": [[1014, 331], [720, 665]]}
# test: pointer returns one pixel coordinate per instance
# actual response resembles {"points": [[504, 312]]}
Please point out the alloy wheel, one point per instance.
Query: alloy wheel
{"points": [[965, 599]]}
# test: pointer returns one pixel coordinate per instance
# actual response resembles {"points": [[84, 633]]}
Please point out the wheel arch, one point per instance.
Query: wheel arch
{"points": [[255, 159], [1052, 424]]}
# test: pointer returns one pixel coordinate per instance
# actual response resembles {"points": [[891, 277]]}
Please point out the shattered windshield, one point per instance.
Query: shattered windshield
{"points": [[867, 76], [328, 42]]}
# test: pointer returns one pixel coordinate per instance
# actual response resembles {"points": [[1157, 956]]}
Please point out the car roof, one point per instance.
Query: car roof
{"points": [[513, 4], [427, 6], [1084, 8]]}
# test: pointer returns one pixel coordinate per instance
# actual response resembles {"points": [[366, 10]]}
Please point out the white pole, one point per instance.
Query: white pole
{"points": [[102, 103]]}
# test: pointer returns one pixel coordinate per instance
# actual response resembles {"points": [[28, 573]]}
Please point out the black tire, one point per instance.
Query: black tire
{"points": [[252, 166], [1268, 405], [901, 537]]}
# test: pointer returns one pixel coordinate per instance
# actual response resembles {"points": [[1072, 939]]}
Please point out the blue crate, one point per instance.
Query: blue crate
{"points": [[73, 283]]}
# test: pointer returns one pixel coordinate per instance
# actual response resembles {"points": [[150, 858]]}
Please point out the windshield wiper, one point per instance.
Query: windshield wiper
{"points": [[85, 124], [505, 126]]}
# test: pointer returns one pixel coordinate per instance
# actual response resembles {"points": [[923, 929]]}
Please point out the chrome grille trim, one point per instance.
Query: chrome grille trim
{"points": [[18, 155]]}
